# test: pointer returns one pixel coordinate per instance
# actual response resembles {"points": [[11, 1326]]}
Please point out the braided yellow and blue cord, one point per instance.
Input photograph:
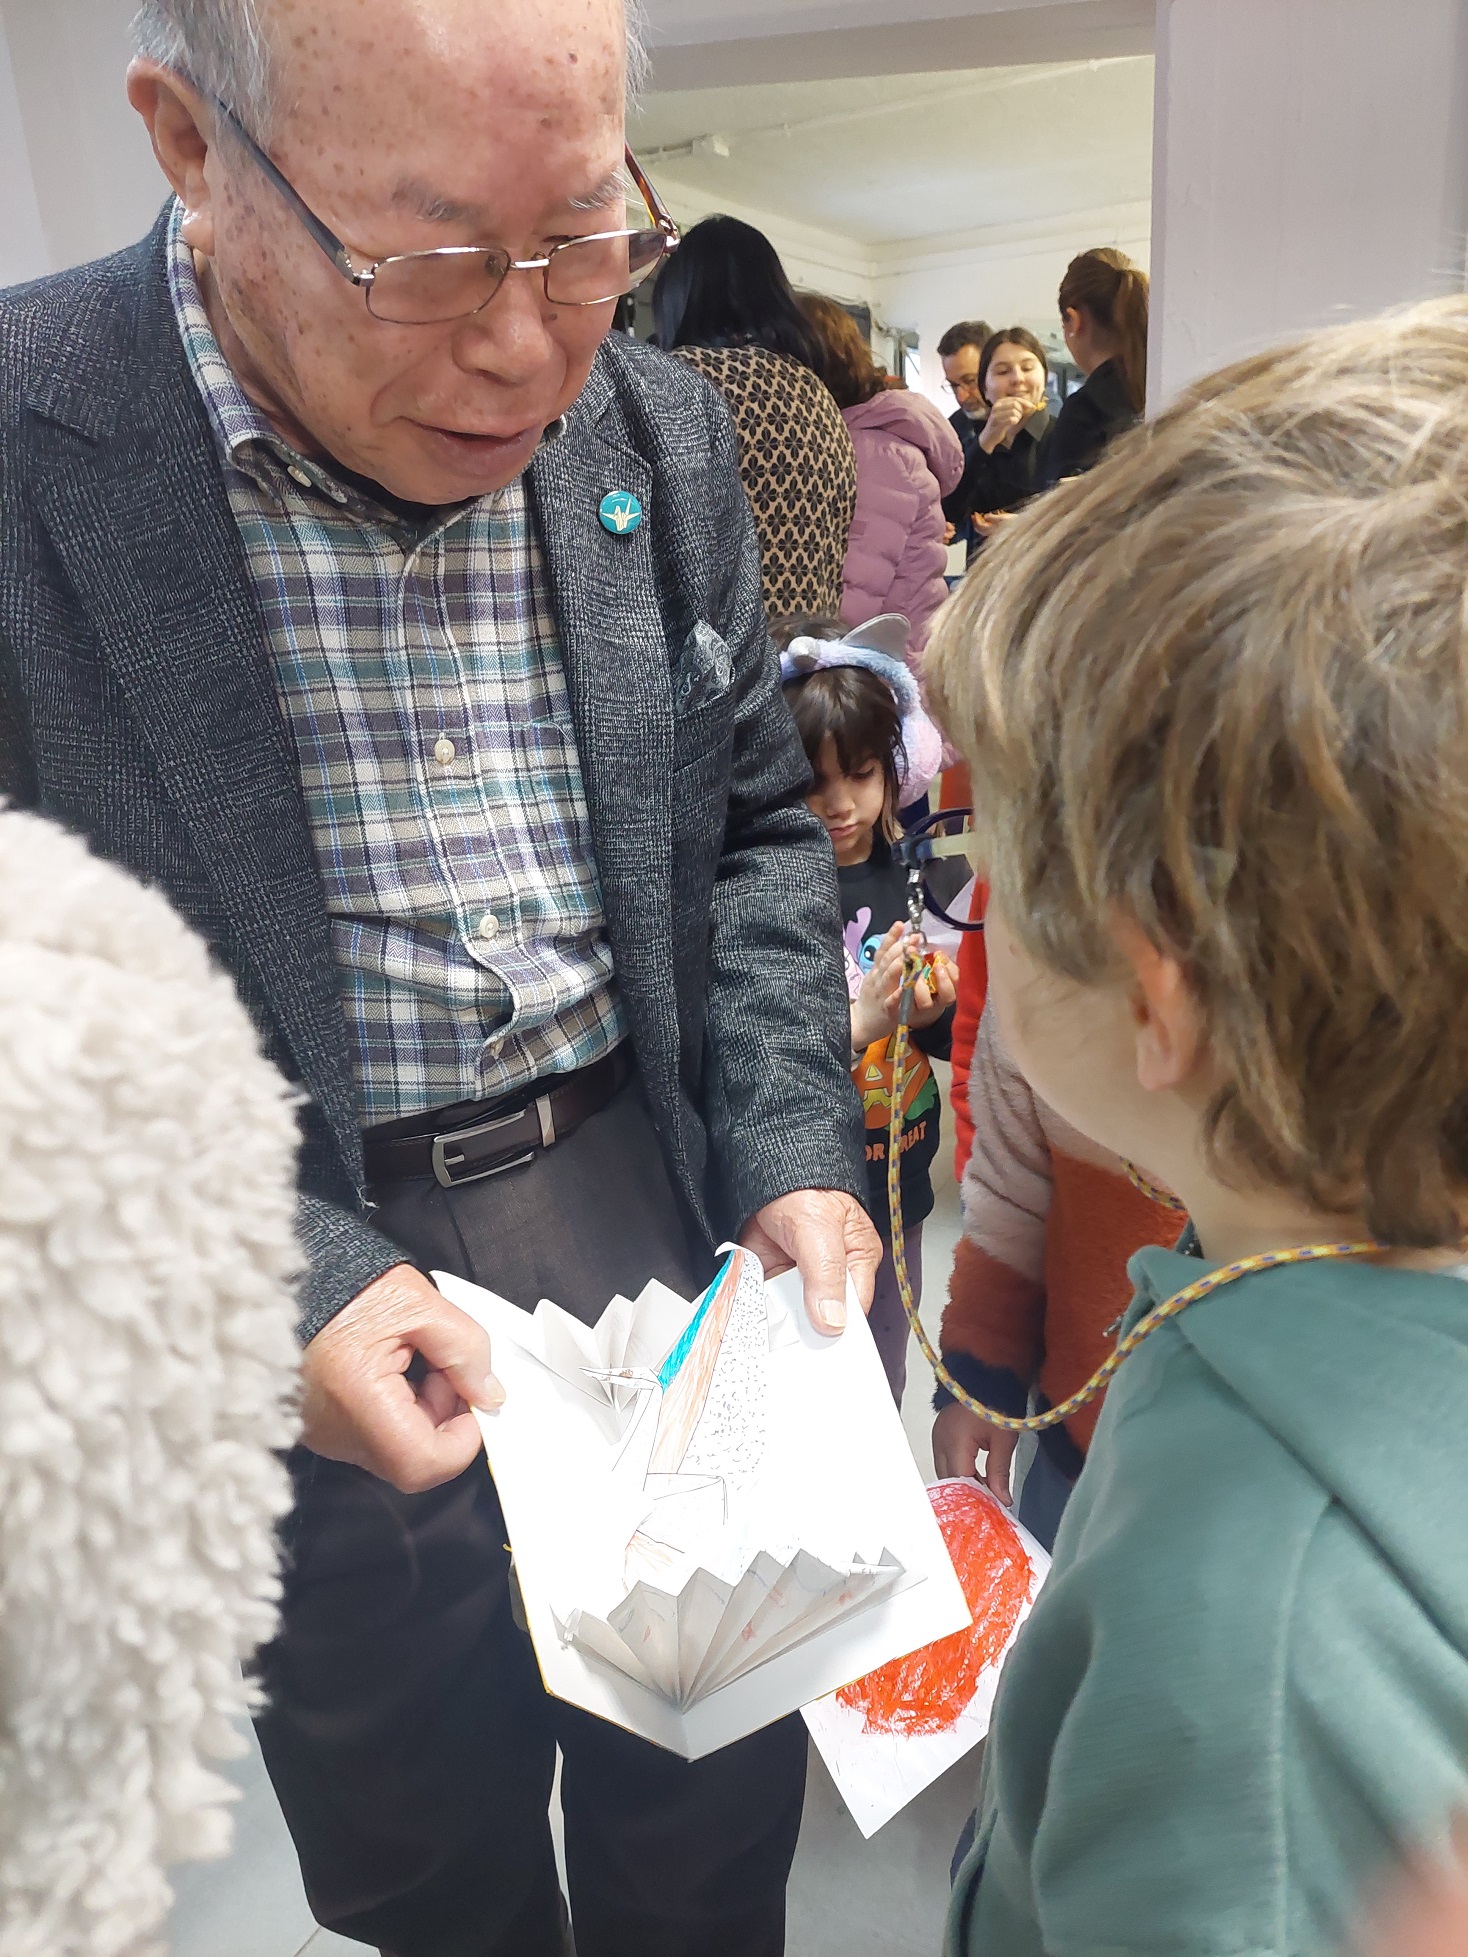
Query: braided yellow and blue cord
{"points": [[1159, 1315]]}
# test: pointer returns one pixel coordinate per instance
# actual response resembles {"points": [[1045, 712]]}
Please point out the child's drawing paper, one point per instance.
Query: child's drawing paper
{"points": [[714, 1513], [888, 1736]]}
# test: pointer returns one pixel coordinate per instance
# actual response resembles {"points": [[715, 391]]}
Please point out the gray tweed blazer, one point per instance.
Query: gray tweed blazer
{"points": [[137, 707]]}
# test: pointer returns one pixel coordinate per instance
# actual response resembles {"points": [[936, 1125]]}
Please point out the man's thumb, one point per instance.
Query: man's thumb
{"points": [[455, 1346]]}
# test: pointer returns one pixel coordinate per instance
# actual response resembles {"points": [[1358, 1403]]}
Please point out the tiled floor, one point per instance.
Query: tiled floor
{"points": [[883, 1898]]}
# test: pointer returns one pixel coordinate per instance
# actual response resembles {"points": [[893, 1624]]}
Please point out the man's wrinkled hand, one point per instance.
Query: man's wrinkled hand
{"points": [[358, 1403], [825, 1235]]}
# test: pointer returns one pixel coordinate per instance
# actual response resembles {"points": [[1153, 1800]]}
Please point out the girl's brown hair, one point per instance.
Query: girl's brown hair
{"points": [[850, 704], [849, 369], [1010, 336], [1220, 687], [1107, 285]]}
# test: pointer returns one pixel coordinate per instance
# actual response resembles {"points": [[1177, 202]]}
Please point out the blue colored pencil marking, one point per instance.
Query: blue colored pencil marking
{"points": [[668, 1372]]}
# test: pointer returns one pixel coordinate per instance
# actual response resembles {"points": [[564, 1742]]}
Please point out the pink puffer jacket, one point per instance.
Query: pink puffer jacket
{"points": [[907, 459]]}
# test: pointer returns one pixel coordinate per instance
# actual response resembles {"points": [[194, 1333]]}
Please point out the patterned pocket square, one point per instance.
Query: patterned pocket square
{"points": [[705, 671]]}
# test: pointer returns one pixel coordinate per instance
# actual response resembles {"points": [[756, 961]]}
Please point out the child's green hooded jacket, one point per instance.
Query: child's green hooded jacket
{"points": [[1245, 1685]]}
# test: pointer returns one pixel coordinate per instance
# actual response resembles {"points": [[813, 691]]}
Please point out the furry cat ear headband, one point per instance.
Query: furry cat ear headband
{"points": [[878, 646]]}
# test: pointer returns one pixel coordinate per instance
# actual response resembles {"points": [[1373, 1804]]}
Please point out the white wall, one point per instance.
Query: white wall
{"points": [[23, 249], [73, 150], [1310, 164], [1006, 274], [819, 261]]}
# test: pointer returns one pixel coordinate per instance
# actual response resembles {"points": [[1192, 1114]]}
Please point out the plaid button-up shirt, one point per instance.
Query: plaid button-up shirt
{"points": [[419, 672]]}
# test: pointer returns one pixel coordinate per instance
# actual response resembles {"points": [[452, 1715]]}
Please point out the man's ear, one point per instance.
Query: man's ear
{"points": [[175, 116], [1164, 1010]]}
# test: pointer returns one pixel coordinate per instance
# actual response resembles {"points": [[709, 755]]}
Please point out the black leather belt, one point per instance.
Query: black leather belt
{"points": [[473, 1139]]}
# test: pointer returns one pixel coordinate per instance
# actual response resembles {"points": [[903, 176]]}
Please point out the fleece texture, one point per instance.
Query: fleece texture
{"points": [[907, 460], [147, 1371]]}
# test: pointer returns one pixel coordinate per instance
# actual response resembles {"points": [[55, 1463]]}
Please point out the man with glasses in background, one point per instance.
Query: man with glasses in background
{"points": [[356, 593], [959, 350]]}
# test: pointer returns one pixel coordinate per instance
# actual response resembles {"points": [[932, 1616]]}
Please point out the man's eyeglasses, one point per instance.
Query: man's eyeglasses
{"points": [[425, 288]]}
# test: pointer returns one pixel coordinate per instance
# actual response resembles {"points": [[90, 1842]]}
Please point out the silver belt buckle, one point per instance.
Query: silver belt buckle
{"points": [[444, 1173]]}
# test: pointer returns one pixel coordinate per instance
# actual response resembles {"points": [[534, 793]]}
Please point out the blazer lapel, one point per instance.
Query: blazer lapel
{"points": [[170, 604], [618, 677]]}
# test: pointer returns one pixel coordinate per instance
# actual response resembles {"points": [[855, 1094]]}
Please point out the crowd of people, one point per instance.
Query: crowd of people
{"points": [[516, 727], [856, 523], [1050, 1219]]}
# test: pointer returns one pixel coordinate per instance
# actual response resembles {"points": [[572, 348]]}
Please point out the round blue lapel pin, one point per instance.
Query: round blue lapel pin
{"points": [[620, 512]]}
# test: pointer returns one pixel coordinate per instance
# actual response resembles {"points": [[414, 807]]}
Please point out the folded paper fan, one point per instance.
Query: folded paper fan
{"points": [[690, 1567], [712, 1632]]}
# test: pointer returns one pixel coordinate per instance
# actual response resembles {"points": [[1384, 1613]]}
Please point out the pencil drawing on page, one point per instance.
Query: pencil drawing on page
{"points": [[705, 1601]]}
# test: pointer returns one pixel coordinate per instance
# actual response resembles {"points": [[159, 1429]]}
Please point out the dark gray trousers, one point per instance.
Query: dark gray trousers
{"points": [[408, 1736]]}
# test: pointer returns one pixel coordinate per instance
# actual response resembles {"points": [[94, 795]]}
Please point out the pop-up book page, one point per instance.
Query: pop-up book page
{"points": [[714, 1513], [889, 1735]]}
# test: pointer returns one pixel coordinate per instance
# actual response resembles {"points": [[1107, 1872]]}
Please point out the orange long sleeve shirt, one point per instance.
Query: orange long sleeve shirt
{"points": [[1049, 1222]]}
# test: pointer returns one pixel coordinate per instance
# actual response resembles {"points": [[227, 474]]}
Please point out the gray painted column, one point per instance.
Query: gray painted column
{"points": [[1310, 164], [71, 150]]}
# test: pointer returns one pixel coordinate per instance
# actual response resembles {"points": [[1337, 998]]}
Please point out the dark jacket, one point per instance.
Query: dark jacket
{"points": [[137, 706], [967, 431], [1007, 478], [1098, 411], [966, 427]]}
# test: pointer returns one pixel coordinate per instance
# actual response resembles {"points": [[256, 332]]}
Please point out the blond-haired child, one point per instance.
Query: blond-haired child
{"points": [[1215, 699]]}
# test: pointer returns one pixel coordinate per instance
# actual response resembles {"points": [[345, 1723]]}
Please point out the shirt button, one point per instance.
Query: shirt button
{"points": [[444, 750], [298, 475], [489, 925]]}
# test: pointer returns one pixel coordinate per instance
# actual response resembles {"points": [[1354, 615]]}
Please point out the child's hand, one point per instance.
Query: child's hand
{"points": [[930, 1002], [874, 1009], [1426, 1910], [959, 1437]]}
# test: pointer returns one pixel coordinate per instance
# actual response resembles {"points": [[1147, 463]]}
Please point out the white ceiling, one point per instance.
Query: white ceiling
{"points": [[680, 21], [902, 158], [703, 43]]}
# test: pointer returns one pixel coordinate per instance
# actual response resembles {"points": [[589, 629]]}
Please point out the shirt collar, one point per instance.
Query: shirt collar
{"points": [[233, 416], [242, 432]]}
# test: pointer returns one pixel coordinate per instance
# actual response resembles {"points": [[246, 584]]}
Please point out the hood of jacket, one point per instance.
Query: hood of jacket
{"points": [[1361, 1371], [912, 418]]}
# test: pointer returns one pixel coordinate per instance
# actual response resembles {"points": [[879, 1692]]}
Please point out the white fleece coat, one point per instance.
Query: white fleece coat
{"points": [[147, 1370]]}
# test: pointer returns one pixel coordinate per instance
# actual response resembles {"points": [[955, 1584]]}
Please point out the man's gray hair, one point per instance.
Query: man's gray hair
{"points": [[218, 45], [221, 47]]}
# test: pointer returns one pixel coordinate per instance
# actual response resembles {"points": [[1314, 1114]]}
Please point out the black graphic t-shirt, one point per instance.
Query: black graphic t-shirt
{"points": [[873, 898]]}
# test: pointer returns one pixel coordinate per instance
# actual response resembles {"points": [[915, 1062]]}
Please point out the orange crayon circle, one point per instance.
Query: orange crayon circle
{"points": [[928, 1690]]}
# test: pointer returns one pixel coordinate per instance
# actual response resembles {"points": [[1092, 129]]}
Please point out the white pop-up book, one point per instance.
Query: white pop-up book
{"points": [[714, 1513]]}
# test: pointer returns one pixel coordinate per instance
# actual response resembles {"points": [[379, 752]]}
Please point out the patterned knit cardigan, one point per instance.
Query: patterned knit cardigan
{"points": [[798, 468]]}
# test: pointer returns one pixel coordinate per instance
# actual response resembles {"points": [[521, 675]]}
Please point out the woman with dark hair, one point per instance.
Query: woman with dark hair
{"points": [[907, 457], [1103, 315], [1008, 462], [724, 304]]}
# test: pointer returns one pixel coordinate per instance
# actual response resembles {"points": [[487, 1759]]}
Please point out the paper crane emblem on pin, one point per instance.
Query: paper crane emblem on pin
{"points": [[620, 512]]}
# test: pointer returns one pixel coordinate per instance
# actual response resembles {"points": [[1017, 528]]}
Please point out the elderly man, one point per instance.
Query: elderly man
{"points": [[353, 590]]}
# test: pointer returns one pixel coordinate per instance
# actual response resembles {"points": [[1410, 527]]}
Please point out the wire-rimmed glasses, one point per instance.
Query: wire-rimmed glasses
{"points": [[426, 288]]}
